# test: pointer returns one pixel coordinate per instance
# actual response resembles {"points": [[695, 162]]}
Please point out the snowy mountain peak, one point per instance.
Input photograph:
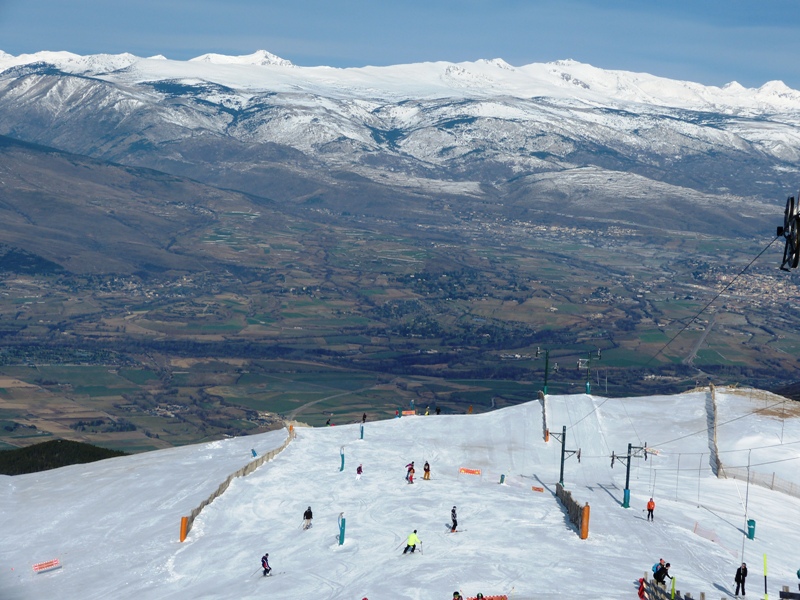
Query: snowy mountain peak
{"points": [[70, 62], [496, 62], [733, 86], [259, 57]]}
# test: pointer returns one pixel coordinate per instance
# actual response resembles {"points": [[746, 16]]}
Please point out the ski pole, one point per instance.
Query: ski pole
{"points": [[256, 571]]}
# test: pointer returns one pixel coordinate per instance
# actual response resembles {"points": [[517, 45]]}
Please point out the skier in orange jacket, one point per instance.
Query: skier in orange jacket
{"points": [[651, 506]]}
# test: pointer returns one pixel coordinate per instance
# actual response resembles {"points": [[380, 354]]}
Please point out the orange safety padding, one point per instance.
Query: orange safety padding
{"points": [[502, 597], [546, 435], [537, 489], [469, 471], [408, 412], [585, 522], [184, 527]]}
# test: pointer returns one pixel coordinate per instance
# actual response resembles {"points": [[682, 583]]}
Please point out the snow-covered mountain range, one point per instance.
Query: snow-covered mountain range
{"points": [[478, 129], [114, 524]]}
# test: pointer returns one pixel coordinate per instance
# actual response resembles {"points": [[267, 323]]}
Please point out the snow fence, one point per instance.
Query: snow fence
{"points": [[579, 515], [650, 590], [186, 522]]}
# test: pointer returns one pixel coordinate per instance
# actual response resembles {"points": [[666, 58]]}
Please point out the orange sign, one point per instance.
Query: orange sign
{"points": [[469, 471], [46, 566], [537, 489], [409, 412]]}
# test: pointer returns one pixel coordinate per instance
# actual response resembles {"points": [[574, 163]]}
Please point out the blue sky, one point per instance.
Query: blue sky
{"points": [[708, 41]]}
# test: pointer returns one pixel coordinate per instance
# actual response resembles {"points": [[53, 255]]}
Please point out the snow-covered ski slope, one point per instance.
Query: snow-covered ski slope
{"points": [[114, 524]]}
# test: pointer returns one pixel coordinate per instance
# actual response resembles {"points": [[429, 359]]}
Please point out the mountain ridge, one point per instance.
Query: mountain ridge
{"points": [[432, 128]]}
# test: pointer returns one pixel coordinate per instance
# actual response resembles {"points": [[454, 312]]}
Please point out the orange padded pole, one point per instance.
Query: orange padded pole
{"points": [[184, 527], [585, 522]]}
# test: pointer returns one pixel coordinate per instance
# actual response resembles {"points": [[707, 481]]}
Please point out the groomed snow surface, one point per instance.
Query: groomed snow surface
{"points": [[114, 525]]}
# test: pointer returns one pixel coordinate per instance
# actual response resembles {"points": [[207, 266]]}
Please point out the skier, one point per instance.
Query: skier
{"points": [[741, 575], [798, 576], [469, 410], [457, 596], [307, 516], [364, 418], [359, 471], [651, 506], [662, 574], [438, 410], [411, 542], [410, 474], [455, 520], [265, 564], [409, 468], [658, 565], [426, 471], [427, 410]]}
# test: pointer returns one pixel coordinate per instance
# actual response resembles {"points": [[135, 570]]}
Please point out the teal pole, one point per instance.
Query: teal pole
{"points": [[342, 522], [362, 431], [626, 495], [341, 451]]}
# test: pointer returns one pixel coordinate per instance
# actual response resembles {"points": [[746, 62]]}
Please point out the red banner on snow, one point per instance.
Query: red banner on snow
{"points": [[48, 565], [469, 471]]}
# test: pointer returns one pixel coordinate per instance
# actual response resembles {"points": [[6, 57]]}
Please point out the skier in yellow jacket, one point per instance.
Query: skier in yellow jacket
{"points": [[411, 543]]}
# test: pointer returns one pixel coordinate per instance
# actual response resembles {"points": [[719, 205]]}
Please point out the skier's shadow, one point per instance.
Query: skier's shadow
{"points": [[723, 589]]}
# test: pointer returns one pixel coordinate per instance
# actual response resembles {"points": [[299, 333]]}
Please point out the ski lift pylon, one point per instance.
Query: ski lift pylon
{"points": [[791, 233]]}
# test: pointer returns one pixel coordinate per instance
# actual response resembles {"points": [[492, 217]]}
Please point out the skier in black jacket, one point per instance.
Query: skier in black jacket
{"points": [[455, 520], [661, 575], [741, 575], [307, 516]]}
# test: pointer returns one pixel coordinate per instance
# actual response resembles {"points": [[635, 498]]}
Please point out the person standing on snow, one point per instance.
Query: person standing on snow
{"points": [[411, 542], [359, 471], [741, 575], [265, 564], [658, 565], [455, 520], [410, 474], [426, 471], [651, 506], [307, 516], [662, 574], [364, 418], [409, 469]]}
